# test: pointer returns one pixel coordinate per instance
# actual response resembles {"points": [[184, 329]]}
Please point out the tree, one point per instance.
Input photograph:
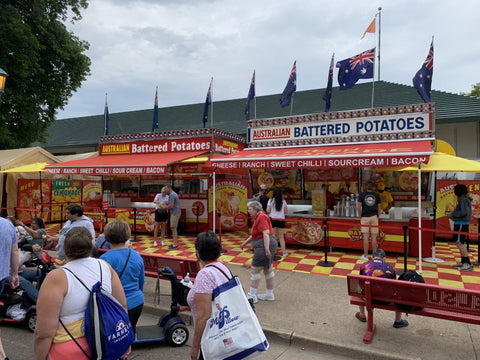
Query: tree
{"points": [[475, 91], [45, 64]]}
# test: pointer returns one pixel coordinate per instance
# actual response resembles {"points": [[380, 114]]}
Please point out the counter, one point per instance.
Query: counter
{"points": [[345, 233]]}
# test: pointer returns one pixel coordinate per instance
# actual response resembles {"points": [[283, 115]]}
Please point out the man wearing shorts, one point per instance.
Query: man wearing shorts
{"points": [[175, 212], [369, 208]]}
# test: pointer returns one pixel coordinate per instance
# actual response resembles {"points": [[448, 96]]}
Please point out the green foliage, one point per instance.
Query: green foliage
{"points": [[475, 91], [45, 64]]}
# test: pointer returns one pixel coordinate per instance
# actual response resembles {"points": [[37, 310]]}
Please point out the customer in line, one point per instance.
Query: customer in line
{"points": [[129, 266], [461, 217], [208, 250], [63, 297], [264, 244], [368, 208], [277, 209], [75, 218], [35, 234], [8, 261], [175, 212], [379, 268], [161, 216]]}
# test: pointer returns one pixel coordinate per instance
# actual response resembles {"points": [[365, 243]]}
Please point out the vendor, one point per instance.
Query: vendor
{"points": [[385, 197], [329, 199]]}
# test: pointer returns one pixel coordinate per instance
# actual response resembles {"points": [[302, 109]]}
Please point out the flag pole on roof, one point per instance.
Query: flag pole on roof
{"points": [[106, 117], [251, 96], [155, 111], [287, 95], [372, 28], [422, 81], [328, 91], [208, 101]]}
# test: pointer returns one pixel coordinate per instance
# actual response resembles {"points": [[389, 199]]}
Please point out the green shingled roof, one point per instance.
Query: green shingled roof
{"points": [[229, 115]]}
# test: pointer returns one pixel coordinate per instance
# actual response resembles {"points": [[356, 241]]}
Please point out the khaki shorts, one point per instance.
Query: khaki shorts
{"points": [[174, 220], [371, 220]]}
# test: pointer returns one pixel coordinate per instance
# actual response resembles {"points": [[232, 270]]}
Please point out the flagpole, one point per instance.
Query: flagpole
{"points": [[105, 117], [211, 101], [379, 33], [255, 97], [291, 104]]}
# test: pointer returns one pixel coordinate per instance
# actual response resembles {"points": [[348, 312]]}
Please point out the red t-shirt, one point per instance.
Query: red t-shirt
{"points": [[261, 223]]}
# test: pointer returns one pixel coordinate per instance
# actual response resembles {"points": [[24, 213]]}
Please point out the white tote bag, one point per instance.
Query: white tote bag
{"points": [[233, 330]]}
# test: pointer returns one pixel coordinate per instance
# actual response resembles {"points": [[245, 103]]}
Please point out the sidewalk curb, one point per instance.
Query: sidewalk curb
{"points": [[294, 339], [329, 347]]}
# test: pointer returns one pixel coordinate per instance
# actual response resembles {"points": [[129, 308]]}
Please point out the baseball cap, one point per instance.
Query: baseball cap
{"points": [[379, 253]]}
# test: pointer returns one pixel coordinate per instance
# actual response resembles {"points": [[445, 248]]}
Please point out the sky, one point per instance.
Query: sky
{"points": [[179, 45]]}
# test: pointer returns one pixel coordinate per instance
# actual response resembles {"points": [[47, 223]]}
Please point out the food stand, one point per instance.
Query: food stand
{"points": [[302, 153], [132, 169]]}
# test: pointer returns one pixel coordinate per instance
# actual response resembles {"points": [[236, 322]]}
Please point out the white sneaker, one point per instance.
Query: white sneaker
{"points": [[466, 267], [163, 243], [266, 297], [253, 297], [285, 254], [155, 244], [363, 258]]}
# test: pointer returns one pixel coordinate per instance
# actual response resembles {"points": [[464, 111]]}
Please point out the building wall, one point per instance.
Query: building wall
{"points": [[463, 137]]}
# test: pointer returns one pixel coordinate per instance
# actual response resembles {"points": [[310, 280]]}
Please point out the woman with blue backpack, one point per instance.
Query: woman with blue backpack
{"points": [[64, 297]]}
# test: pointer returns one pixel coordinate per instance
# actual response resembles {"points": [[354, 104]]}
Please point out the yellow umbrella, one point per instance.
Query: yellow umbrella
{"points": [[30, 168], [441, 162]]}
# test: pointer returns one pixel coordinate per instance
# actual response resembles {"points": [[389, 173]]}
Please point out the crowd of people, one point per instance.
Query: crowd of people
{"points": [[61, 301]]}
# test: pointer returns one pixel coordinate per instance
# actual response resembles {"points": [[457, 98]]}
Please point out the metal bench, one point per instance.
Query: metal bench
{"points": [[436, 301]]}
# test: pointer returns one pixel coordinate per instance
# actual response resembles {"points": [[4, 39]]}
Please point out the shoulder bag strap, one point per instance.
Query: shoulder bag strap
{"points": [[223, 272], [75, 340], [125, 266]]}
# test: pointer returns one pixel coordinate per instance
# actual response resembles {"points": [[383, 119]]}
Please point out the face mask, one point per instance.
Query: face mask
{"points": [[380, 191]]}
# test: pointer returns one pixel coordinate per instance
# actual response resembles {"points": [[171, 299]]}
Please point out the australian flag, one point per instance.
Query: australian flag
{"points": [[423, 78], [208, 101], [106, 117], [155, 112], [290, 88], [358, 67], [250, 96], [328, 91]]}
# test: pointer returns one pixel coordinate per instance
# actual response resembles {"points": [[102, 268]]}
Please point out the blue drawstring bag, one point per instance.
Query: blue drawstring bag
{"points": [[107, 326]]}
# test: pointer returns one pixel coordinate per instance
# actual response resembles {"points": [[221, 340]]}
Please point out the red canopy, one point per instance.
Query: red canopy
{"points": [[125, 164]]}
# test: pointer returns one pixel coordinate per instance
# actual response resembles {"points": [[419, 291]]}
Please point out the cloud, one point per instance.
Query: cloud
{"points": [[179, 45]]}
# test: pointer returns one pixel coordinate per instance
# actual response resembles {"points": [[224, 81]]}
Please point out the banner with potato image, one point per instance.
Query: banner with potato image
{"points": [[447, 201], [231, 203]]}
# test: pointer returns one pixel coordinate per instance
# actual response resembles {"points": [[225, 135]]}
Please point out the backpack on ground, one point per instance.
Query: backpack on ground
{"points": [[413, 276], [107, 326]]}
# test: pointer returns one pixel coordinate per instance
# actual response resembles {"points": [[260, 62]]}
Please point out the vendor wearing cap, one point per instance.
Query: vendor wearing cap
{"points": [[379, 268], [385, 197]]}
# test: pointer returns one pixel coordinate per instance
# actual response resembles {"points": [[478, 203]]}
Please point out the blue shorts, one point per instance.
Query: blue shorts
{"points": [[460, 238]]}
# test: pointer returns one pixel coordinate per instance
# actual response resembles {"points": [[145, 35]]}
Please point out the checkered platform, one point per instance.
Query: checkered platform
{"points": [[310, 259]]}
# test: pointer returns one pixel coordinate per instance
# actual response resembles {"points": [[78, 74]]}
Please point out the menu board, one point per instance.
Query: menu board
{"points": [[64, 192], [30, 201]]}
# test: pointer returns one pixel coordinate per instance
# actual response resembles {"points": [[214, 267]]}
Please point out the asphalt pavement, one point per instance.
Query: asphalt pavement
{"points": [[314, 312]]}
